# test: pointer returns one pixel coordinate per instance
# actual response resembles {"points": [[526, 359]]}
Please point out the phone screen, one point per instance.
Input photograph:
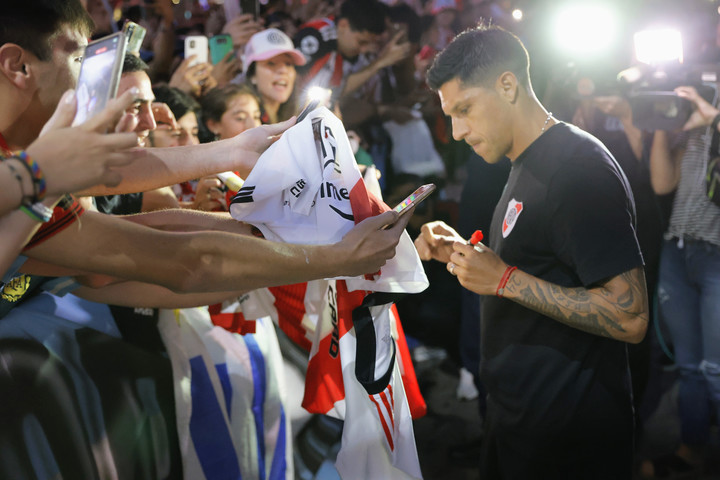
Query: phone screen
{"points": [[414, 198], [99, 75]]}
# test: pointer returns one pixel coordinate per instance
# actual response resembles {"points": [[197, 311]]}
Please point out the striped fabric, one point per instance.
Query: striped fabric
{"points": [[694, 215], [229, 398]]}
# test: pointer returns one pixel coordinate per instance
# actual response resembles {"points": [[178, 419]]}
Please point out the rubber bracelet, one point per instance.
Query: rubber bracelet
{"points": [[503, 281], [37, 211]]}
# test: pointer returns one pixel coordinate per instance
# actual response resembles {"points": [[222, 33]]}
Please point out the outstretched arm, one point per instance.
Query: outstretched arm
{"points": [[207, 261], [160, 167]]}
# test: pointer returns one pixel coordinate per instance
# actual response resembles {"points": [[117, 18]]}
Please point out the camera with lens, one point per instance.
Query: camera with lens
{"points": [[654, 103]]}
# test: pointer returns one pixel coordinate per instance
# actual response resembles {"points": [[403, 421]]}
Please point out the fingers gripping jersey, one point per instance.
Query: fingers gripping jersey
{"points": [[307, 189]]}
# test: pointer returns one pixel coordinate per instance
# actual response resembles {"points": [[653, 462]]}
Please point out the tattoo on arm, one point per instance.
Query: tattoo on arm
{"points": [[605, 310]]}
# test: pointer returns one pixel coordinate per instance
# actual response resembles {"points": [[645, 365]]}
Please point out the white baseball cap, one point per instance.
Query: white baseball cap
{"points": [[269, 43]]}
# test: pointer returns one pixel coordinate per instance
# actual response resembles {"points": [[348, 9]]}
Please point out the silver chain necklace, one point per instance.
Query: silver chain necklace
{"points": [[547, 120]]}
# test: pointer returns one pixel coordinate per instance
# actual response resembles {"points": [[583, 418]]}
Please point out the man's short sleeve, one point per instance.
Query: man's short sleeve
{"points": [[66, 212], [592, 219]]}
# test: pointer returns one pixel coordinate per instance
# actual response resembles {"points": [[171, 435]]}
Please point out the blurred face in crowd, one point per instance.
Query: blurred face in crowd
{"points": [[142, 108], [275, 78], [446, 17], [186, 134], [61, 71], [480, 117], [242, 113], [352, 43]]}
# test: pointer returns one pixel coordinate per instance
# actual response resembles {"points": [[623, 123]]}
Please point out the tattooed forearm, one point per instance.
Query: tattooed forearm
{"points": [[617, 309]]}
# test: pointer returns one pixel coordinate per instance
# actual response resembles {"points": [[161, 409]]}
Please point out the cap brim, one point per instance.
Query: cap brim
{"points": [[298, 57]]}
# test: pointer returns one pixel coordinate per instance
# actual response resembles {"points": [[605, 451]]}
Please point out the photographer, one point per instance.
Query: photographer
{"points": [[689, 286]]}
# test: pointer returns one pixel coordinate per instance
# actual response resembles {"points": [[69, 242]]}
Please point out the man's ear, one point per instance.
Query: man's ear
{"points": [[14, 65], [507, 86]]}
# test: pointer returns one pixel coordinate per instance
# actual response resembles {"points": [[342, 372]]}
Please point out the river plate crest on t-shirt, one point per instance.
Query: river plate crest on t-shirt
{"points": [[511, 215]]}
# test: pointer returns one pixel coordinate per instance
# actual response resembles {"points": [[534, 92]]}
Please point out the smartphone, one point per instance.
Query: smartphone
{"points": [[197, 45], [308, 108], [250, 6], [400, 28], [232, 9], [220, 46], [135, 34], [413, 199], [99, 75]]}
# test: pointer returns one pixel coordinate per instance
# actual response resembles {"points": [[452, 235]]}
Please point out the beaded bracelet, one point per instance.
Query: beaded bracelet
{"points": [[36, 174]]}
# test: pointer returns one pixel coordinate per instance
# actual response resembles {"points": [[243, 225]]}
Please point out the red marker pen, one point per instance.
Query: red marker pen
{"points": [[476, 238]]}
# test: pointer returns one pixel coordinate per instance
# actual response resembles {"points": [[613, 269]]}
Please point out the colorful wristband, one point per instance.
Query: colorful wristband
{"points": [[38, 179], [503, 281]]}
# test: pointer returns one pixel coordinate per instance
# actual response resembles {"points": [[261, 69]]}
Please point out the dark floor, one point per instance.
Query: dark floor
{"points": [[451, 422]]}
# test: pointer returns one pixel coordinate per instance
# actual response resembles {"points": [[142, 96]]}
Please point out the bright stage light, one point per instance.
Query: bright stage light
{"points": [[517, 14], [658, 46], [585, 29]]}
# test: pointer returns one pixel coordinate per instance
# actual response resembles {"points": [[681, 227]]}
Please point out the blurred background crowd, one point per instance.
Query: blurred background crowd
{"points": [[366, 60]]}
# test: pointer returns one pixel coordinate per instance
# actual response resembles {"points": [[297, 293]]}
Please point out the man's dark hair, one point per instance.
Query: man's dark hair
{"points": [[478, 56], [132, 63], [364, 15], [180, 103], [32, 24]]}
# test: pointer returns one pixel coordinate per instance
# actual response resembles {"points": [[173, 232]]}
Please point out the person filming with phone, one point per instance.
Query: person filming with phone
{"points": [[562, 274]]}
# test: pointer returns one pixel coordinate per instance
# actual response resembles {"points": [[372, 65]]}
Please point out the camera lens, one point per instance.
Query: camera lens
{"points": [[192, 43]]}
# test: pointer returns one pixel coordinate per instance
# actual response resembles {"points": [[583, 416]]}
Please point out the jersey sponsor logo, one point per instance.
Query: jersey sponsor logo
{"points": [[344, 215], [329, 190], [297, 189], [244, 195], [511, 215], [309, 45]]}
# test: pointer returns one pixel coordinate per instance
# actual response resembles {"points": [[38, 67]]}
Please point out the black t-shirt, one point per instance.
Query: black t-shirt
{"points": [[566, 216]]}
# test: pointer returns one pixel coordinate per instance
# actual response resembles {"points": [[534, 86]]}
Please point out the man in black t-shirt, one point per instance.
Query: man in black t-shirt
{"points": [[562, 277]]}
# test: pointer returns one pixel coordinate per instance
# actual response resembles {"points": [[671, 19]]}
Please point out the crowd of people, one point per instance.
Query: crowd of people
{"points": [[130, 336]]}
